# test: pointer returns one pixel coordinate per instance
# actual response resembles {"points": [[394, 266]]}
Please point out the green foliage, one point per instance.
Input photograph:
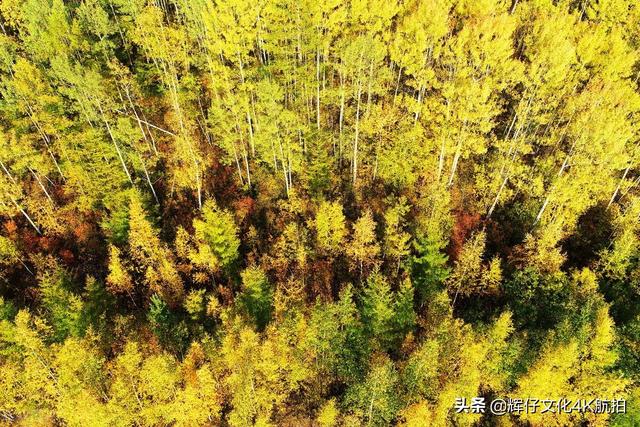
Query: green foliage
{"points": [[166, 325], [374, 400], [536, 299], [339, 213], [429, 266], [396, 240], [377, 309], [216, 237], [319, 169], [388, 315], [632, 416], [629, 354], [257, 296], [63, 307], [7, 310], [420, 375], [338, 339], [98, 306]]}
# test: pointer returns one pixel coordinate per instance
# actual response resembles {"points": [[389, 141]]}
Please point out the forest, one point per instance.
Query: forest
{"points": [[318, 212]]}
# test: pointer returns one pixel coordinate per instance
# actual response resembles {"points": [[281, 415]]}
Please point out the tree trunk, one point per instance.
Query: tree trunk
{"points": [[115, 144], [355, 142], [44, 189], [318, 88], [546, 200], [26, 215]]}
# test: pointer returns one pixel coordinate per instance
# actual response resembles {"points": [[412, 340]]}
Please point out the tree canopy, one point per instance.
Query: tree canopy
{"points": [[334, 213]]}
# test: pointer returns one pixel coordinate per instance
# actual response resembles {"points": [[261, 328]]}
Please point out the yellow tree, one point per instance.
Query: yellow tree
{"points": [[363, 248], [152, 257], [330, 227]]}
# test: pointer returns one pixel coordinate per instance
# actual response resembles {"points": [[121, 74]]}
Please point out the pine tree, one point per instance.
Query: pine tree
{"points": [[330, 227], [257, 296], [216, 239], [363, 247]]}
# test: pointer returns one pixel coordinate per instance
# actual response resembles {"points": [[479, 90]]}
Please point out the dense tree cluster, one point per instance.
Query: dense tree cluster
{"points": [[332, 213]]}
